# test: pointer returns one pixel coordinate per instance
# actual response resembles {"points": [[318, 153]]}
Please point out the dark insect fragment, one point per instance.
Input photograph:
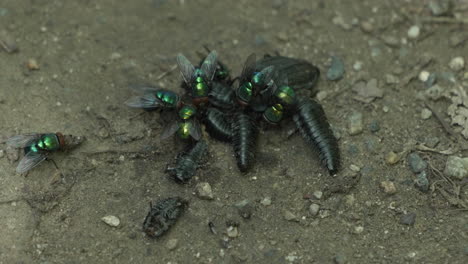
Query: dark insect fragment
{"points": [[311, 121], [222, 96], [163, 215], [244, 140], [188, 163]]}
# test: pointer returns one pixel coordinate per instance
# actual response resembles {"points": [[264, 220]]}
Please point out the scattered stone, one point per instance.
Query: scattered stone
{"points": [[355, 168], [358, 229], [111, 220], [456, 167], [289, 216], [336, 70], [2, 153], [392, 158], [391, 79], [244, 208], [266, 201], [7, 42], [259, 40], [367, 27], [115, 56], [413, 32], [434, 92], [322, 95], [339, 21], [457, 40], [32, 65], [432, 142], [203, 190], [314, 209], [374, 126], [408, 219], [355, 123], [416, 163], [391, 41], [367, 92], [318, 195], [339, 259], [12, 154], [422, 183], [423, 76], [232, 231], [385, 109], [388, 187], [426, 113], [439, 7], [457, 64], [282, 36], [357, 66], [172, 244]]}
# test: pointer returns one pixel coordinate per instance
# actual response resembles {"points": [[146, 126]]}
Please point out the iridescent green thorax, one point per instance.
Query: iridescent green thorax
{"points": [[222, 74], [169, 98], [187, 111], [47, 142], [274, 113], [184, 130], [200, 86], [244, 92], [286, 95]]}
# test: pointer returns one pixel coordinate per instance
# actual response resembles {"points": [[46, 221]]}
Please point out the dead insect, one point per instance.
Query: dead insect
{"points": [[188, 163], [163, 215], [37, 147]]}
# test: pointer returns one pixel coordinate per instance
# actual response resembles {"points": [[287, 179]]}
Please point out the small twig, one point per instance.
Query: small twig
{"points": [[162, 75], [422, 147], [441, 120]]}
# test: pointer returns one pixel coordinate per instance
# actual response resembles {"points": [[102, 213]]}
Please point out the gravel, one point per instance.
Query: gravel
{"points": [[111, 220], [413, 32], [336, 70], [408, 219], [456, 167], [204, 191], [416, 163], [355, 123], [457, 64], [422, 183]]}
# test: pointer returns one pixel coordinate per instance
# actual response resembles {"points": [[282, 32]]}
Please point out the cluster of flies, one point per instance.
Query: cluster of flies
{"points": [[231, 110]]}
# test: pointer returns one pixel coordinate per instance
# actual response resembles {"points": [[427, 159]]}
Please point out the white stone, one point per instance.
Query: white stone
{"points": [[413, 32], [111, 220], [457, 64], [424, 76]]}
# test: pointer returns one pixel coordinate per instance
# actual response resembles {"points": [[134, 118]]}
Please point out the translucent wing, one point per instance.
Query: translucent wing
{"points": [[30, 160], [21, 141], [249, 68], [195, 129], [146, 101], [268, 73], [186, 68], [209, 65], [273, 79], [170, 130]]}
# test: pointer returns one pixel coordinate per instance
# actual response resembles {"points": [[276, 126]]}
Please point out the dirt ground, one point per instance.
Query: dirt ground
{"points": [[88, 53]]}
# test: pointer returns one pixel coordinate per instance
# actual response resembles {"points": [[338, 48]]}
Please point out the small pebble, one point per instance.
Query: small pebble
{"points": [[408, 219], [339, 259], [2, 153], [421, 182], [172, 244], [392, 158], [391, 41], [7, 42], [439, 7], [111, 220], [385, 109], [388, 187], [355, 123], [358, 229], [355, 168], [289, 216], [282, 36], [32, 65], [374, 126], [357, 66], [266, 201], [457, 64], [203, 191], [391, 79], [115, 56], [244, 208], [456, 167], [322, 95], [336, 70], [426, 113], [314, 209], [413, 32], [416, 163], [232, 232], [318, 195], [367, 27], [423, 76]]}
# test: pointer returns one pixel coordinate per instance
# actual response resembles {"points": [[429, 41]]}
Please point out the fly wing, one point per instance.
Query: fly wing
{"points": [[186, 68], [195, 129], [170, 130], [209, 65], [146, 101], [249, 68], [30, 160], [21, 141]]}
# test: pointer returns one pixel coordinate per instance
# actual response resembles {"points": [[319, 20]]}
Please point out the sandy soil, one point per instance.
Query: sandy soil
{"points": [[89, 52]]}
